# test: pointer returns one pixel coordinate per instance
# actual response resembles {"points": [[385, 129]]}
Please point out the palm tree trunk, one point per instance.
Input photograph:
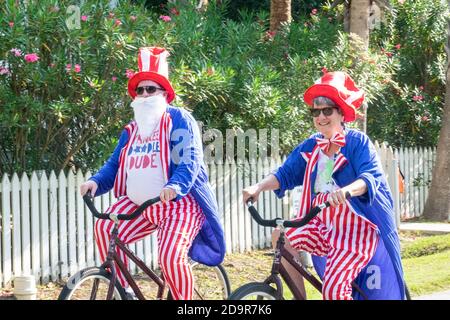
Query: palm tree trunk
{"points": [[437, 207], [359, 20], [280, 11], [202, 5], [358, 25]]}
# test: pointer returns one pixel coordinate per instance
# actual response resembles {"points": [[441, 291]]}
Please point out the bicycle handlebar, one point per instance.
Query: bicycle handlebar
{"points": [[90, 204], [288, 223]]}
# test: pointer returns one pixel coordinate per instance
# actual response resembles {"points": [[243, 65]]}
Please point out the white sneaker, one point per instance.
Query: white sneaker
{"points": [[130, 294]]}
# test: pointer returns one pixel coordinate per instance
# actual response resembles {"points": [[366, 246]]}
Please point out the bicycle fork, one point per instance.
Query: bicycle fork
{"points": [[109, 263], [276, 264]]}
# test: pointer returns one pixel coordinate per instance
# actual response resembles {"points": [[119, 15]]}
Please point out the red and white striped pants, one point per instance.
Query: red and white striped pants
{"points": [[345, 238], [177, 224]]}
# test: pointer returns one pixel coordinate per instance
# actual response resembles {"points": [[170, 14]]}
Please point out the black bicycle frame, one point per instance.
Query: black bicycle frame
{"points": [[278, 269], [113, 257], [281, 252]]}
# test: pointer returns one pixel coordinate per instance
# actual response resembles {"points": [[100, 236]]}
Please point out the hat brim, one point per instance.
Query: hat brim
{"points": [[324, 90], [148, 75]]}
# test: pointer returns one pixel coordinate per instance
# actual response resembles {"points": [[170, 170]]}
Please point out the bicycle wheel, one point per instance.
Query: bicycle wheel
{"points": [[90, 284], [210, 283], [254, 291], [408, 295]]}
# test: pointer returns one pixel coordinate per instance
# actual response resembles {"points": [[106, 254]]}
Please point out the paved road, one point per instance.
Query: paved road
{"points": [[444, 295], [426, 227], [437, 228]]}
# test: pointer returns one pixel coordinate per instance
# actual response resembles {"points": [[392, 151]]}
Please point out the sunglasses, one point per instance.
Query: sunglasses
{"points": [[148, 89], [328, 111]]}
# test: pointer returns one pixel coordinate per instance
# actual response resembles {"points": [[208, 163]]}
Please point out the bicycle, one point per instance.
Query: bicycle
{"points": [[99, 283], [264, 290]]}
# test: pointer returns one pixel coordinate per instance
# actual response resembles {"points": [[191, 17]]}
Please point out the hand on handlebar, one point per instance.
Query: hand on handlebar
{"points": [[251, 192], [89, 185], [338, 197], [167, 194], [296, 223]]}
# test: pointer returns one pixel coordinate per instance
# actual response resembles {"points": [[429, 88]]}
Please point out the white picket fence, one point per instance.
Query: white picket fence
{"points": [[416, 164], [47, 231]]}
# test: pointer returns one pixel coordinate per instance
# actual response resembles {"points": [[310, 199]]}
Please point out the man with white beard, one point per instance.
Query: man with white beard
{"points": [[160, 154]]}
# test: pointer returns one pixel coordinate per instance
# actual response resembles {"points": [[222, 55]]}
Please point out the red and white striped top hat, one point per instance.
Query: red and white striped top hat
{"points": [[152, 64], [339, 87]]}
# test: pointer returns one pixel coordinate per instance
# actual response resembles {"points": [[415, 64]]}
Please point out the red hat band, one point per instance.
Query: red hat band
{"points": [[339, 87], [152, 64]]}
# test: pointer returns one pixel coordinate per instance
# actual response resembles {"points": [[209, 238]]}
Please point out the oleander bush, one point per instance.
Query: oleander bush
{"points": [[64, 69]]}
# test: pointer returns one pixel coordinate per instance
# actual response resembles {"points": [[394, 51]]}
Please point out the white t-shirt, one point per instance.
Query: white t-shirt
{"points": [[145, 176], [324, 181]]}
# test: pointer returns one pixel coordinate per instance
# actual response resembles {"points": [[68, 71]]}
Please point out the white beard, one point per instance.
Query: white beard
{"points": [[148, 112]]}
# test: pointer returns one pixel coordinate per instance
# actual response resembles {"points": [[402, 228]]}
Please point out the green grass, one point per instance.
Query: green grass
{"points": [[426, 265], [426, 246], [428, 274], [423, 219], [423, 275]]}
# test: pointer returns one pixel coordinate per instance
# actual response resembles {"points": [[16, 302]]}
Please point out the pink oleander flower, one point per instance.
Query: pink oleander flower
{"points": [[129, 73], [114, 78], [68, 67], [314, 12], [324, 70], [4, 71], [31, 57], [421, 88], [417, 98], [133, 18], [425, 118], [174, 11], [270, 34], [11, 24], [117, 22], [389, 54], [165, 18], [52, 65], [77, 68], [17, 52], [84, 18], [398, 46]]}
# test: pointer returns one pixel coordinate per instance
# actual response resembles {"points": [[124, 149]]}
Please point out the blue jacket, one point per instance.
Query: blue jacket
{"points": [[382, 278], [185, 177]]}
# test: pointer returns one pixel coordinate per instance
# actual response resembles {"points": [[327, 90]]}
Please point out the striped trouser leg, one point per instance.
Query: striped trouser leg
{"points": [[176, 233], [353, 241], [128, 232], [345, 238]]}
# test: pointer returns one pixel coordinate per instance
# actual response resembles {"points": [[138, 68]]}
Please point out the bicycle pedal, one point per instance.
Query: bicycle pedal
{"points": [[130, 295]]}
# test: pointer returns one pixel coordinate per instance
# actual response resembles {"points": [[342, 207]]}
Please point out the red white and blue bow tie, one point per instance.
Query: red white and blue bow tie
{"points": [[325, 144]]}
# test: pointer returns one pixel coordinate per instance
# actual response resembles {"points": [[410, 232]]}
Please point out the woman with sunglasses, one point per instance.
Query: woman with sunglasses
{"points": [[353, 239], [160, 154]]}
